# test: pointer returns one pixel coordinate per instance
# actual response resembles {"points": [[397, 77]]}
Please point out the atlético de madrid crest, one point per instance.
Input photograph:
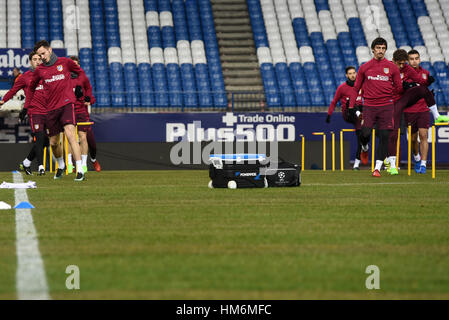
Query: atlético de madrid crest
{"points": [[386, 70], [424, 76], [60, 68], [36, 126]]}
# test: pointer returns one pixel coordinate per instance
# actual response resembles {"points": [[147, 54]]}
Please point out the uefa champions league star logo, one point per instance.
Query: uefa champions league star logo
{"points": [[281, 175]]}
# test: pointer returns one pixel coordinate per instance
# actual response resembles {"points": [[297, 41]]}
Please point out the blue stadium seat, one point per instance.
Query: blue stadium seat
{"points": [[174, 85], [160, 85], [285, 85], [270, 84]]}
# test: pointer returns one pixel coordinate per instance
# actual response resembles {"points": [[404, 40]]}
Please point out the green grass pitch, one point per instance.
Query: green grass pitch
{"points": [[166, 235]]}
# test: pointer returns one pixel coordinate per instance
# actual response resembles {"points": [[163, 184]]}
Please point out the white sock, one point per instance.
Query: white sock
{"points": [[365, 148], [84, 159], [69, 159], [26, 162], [393, 161], [41, 167], [79, 166], [61, 164], [356, 163], [417, 157], [434, 111], [424, 163], [379, 164], [93, 160]]}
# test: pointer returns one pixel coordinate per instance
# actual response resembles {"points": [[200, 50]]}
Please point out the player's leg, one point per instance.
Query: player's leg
{"points": [[424, 148], [93, 149], [67, 119], [58, 154], [69, 130], [84, 149], [69, 159], [25, 165], [358, 133], [384, 121], [423, 123], [39, 150], [413, 95]]}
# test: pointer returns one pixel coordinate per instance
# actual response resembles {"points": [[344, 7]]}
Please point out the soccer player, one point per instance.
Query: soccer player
{"points": [[84, 97], [415, 89], [343, 92], [55, 74], [418, 117], [378, 79], [36, 112]]}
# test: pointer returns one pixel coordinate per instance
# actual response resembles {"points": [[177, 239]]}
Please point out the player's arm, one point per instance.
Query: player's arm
{"points": [[88, 95], [415, 76], [19, 84], [333, 104], [397, 81], [36, 77], [357, 86]]}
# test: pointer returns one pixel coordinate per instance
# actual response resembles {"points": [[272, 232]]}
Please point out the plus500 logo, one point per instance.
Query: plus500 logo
{"points": [[193, 132]]}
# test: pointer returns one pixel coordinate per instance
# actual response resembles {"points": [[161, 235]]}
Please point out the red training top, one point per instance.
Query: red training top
{"points": [[378, 79], [408, 74], [57, 82], [421, 105], [343, 93], [38, 100], [84, 82]]}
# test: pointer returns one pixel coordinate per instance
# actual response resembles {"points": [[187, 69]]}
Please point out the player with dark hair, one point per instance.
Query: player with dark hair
{"points": [[342, 94], [84, 97], [36, 112], [378, 79], [55, 74], [418, 117], [415, 89]]}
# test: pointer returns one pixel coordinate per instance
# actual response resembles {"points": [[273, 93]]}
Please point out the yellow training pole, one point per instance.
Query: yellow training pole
{"points": [[433, 152], [324, 147], [433, 145], [324, 152], [66, 154], [45, 158], [333, 150], [398, 147], [373, 158], [409, 159], [303, 141], [341, 150], [341, 146], [51, 159]]}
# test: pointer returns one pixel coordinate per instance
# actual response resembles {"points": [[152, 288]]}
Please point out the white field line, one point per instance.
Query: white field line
{"points": [[373, 184], [31, 282]]}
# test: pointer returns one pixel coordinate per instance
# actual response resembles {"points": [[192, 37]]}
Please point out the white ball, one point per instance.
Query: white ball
{"points": [[210, 185], [232, 184]]}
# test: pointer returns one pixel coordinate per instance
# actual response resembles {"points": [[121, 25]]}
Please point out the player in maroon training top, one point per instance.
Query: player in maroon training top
{"points": [[418, 116], [342, 94], [378, 79], [84, 98], [36, 112], [55, 74], [415, 89]]}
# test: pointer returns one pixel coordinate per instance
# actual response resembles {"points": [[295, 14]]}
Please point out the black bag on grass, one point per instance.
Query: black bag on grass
{"points": [[245, 174], [286, 175]]}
